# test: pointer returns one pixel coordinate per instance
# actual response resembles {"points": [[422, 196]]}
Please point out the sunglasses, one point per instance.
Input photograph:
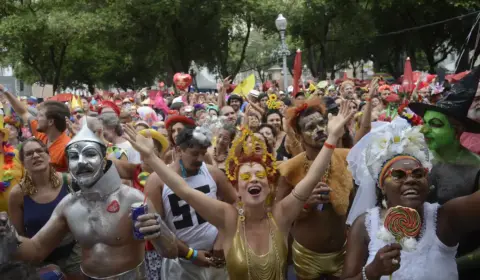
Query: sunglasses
{"points": [[400, 175]]}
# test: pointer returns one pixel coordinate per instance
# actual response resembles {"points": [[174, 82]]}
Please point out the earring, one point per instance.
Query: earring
{"points": [[384, 203], [241, 212]]}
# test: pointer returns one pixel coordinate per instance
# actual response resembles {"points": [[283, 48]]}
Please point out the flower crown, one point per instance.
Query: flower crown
{"points": [[272, 102], [394, 139], [241, 153]]}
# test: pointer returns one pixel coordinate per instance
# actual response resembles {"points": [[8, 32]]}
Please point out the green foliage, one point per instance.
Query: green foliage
{"points": [[128, 44]]}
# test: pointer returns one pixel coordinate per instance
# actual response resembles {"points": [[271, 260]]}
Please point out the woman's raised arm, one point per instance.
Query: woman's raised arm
{"points": [[211, 209]]}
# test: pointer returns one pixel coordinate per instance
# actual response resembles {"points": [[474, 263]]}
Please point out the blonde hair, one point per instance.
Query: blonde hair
{"points": [[28, 187]]}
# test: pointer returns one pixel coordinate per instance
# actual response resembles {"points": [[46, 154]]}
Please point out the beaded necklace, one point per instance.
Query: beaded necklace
{"points": [[265, 265]]}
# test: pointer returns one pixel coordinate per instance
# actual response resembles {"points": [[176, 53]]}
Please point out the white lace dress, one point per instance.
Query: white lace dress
{"points": [[432, 260]]}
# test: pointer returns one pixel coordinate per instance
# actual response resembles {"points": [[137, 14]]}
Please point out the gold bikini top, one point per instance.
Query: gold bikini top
{"points": [[244, 264]]}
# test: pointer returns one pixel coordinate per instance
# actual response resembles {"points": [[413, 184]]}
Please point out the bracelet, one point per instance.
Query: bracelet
{"points": [[299, 197], [306, 206], [195, 255], [189, 254], [364, 274], [329, 146], [368, 99]]}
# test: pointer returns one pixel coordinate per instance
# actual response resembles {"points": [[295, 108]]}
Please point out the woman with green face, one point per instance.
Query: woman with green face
{"points": [[456, 170], [445, 121]]}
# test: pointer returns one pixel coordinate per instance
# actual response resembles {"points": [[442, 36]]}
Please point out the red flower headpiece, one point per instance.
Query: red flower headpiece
{"points": [[110, 104], [293, 113]]}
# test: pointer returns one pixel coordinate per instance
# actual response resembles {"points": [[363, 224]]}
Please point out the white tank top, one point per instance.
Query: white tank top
{"points": [[183, 220], [432, 260]]}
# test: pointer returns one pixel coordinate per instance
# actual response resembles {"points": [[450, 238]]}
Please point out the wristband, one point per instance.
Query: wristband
{"points": [[306, 206], [195, 255], [368, 99], [329, 146], [189, 254]]}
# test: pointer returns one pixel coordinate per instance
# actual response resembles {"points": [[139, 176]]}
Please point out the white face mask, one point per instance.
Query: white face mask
{"points": [[85, 162]]}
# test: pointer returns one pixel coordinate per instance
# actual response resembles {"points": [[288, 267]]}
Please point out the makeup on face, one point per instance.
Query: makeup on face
{"points": [[85, 162]]}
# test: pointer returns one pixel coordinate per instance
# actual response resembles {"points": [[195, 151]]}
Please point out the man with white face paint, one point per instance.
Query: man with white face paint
{"points": [[319, 232], [98, 218]]}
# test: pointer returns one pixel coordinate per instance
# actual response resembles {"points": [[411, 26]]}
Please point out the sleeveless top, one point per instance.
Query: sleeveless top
{"points": [[183, 220], [282, 153], [431, 260], [36, 215], [241, 255]]}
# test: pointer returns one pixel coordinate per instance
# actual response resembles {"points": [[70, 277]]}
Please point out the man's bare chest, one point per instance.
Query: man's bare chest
{"points": [[105, 221]]}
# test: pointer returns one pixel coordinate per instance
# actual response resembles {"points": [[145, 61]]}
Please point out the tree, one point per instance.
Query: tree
{"points": [[37, 36]]}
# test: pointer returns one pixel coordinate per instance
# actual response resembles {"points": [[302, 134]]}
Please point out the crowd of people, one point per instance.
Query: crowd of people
{"points": [[334, 181]]}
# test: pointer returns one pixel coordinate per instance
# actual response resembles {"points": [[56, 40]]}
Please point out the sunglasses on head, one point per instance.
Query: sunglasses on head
{"points": [[400, 174]]}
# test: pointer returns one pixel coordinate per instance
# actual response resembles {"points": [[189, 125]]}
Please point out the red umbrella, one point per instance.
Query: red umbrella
{"points": [[297, 72], [407, 83], [62, 97]]}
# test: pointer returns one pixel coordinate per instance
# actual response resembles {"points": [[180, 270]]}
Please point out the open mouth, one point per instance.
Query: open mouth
{"points": [[412, 193], [254, 190]]}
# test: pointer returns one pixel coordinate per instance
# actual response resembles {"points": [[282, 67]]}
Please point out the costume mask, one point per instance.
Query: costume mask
{"points": [[85, 162], [439, 133]]}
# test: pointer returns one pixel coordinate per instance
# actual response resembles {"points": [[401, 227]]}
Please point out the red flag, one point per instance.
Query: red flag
{"points": [[407, 83], [297, 72]]}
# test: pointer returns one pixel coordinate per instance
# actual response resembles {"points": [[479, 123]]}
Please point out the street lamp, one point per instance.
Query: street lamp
{"points": [[281, 24]]}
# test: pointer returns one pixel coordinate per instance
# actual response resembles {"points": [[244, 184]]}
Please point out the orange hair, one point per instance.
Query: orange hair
{"points": [[309, 107], [347, 83]]}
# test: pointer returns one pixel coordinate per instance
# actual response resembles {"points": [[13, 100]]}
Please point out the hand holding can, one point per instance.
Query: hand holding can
{"points": [[138, 209]]}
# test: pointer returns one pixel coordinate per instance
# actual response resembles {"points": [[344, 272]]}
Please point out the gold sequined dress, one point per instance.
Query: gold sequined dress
{"points": [[244, 264]]}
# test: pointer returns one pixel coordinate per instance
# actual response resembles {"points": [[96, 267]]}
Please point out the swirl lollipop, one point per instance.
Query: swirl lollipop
{"points": [[403, 222]]}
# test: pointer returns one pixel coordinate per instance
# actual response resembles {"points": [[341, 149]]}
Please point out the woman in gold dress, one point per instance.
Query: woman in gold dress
{"points": [[255, 229]]}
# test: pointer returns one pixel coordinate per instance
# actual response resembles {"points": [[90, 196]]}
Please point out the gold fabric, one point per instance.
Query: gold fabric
{"points": [[270, 266], [339, 180], [311, 265]]}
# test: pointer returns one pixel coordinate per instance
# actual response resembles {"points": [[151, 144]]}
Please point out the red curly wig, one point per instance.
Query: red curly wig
{"points": [[307, 108]]}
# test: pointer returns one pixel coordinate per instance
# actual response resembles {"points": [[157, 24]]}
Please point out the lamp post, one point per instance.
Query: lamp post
{"points": [[281, 24]]}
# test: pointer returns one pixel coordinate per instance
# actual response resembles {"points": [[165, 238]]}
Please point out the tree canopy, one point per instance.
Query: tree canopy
{"points": [[129, 44]]}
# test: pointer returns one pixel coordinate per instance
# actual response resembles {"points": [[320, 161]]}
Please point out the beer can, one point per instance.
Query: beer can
{"points": [[138, 209]]}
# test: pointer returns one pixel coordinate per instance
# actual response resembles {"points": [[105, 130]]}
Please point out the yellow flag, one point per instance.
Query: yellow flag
{"points": [[245, 86], [75, 104]]}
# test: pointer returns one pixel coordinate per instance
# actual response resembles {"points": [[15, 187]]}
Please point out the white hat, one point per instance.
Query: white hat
{"points": [[254, 93]]}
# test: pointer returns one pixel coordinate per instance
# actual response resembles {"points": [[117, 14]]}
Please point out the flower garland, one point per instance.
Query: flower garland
{"points": [[8, 156]]}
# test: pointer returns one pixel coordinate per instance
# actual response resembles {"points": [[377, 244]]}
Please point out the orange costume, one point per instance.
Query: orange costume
{"points": [[310, 264], [56, 149]]}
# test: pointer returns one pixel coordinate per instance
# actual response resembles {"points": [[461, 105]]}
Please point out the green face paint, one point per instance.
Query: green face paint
{"points": [[438, 132]]}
